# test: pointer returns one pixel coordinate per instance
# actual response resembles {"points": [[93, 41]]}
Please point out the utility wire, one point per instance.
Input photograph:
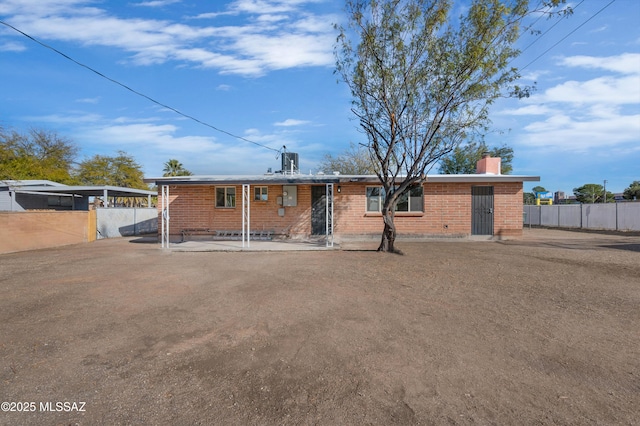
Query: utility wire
{"points": [[190, 117], [538, 38], [570, 33]]}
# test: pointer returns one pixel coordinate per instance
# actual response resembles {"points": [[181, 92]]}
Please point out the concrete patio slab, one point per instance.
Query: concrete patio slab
{"points": [[232, 245]]}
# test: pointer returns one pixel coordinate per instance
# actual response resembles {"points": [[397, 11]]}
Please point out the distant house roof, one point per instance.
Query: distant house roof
{"points": [[300, 179]]}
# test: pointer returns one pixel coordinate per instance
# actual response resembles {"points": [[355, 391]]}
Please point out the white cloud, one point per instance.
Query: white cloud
{"points": [[529, 110], [144, 137], [611, 90], [600, 29], [268, 18], [251, 46], [286, 50], [12, 47], [71, 118], [291, 122], [156, 3], [585, 114], [620, 87], [627, 63], [88, 100], [267, 6], [566, 133]]}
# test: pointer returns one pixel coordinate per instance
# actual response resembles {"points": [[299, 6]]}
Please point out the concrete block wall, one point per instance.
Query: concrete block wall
{"points": [[446, 211]]}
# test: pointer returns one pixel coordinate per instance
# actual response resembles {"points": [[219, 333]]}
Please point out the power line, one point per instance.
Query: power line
{"points": [[190, 117], [567, 36], [538, 38]]}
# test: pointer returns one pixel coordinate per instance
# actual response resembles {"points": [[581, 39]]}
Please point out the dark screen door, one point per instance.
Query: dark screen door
{"points": [[482, 210], [318, 210]]}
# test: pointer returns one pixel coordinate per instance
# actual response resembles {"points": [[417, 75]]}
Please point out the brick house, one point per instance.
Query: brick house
{"points": [[339, 206]]}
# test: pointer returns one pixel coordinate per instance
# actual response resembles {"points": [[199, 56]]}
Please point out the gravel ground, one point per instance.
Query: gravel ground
{"points": [[542, 330]]}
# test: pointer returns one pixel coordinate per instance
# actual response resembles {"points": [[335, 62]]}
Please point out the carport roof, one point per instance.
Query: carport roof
{"points": [[48, 187]]}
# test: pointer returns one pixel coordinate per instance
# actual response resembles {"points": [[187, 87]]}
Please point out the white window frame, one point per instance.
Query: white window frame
{"points": [[379, 199], [262, 195], [226, 204]]}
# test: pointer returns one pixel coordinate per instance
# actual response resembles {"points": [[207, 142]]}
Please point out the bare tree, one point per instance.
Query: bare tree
{"points": [[422, 81], [354, 161]]}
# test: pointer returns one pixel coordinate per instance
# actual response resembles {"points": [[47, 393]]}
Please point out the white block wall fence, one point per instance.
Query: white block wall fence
{"points": [[122, 222], [610, 216]]}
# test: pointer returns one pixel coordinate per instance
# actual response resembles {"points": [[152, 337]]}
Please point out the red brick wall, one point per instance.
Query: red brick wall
{"points": [[447, 211], [194, 206]]}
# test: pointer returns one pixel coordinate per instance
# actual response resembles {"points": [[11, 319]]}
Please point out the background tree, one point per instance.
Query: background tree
{"points": [[463, 159], [354, 161], [422, 81], [120, 170], [633, 191], [38, 154], [592, 193], [175, 168]]}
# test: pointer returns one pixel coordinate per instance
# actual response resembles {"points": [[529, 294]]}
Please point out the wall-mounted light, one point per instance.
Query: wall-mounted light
{"points": [[339, 189]]}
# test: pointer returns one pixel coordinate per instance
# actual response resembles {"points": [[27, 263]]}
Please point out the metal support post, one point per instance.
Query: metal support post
{"points": [[329, 215], [165, 216], [246, 214]]}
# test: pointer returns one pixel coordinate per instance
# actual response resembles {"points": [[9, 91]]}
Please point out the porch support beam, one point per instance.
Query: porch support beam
{"points": [[329, 215], [246, 214], [164, 200]]}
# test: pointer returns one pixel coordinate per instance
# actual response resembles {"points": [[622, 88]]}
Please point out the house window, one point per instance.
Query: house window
{"points": [[409, 201], [260, 193], [226, 196], [375, 198]]}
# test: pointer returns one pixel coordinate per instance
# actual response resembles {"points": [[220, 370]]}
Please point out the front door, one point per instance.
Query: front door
{"points": [[318, 210], [482, 210]]}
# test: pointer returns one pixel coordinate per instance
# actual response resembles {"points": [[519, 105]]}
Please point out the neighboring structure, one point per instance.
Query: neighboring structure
{"points": [[20, 195], [338, 206], [39, 213]]}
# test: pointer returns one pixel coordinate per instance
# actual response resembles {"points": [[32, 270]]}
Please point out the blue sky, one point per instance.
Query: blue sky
{"points": [[263, 70]]}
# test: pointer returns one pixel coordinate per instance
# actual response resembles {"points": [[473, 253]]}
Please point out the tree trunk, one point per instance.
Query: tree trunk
{"points": [[387, 243]]}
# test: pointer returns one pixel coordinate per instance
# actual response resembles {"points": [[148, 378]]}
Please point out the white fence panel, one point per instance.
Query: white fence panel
{"points": [[570, 216], [599, 216], [122, 222], [532, 215], [629, 216], [549, 216], [611, 216]]}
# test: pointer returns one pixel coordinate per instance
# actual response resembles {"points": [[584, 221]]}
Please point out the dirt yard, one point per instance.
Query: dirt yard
{"points": [[544, 330]]}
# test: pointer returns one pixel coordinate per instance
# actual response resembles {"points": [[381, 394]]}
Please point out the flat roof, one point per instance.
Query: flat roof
{"points": [[300, 179]]}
